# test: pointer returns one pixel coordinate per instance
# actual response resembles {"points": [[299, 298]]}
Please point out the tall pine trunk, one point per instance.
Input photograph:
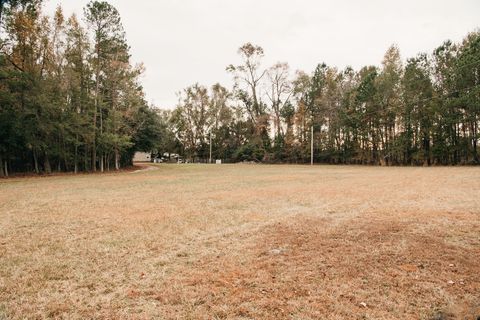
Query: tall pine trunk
{"points": [[474, 142], [5, 167], [35, 161], [94, 146], [102, 156], [75, 157], [426, 151], [86, 159], [1, 167], [46, 164], [117, 159], [65, 159], [94, 142]]}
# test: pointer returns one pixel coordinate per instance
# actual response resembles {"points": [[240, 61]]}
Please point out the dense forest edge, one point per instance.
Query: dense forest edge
{"points": [[71, 101]]}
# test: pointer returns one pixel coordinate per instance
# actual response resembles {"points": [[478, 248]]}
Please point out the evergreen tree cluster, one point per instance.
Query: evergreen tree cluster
{"points": [[421, 112], [70, 99]]}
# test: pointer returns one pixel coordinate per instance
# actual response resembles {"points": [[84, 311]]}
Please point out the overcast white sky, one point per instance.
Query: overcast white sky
{"points": [[186, 41]]}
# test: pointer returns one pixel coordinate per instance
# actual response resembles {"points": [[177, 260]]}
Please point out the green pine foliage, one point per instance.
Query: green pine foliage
{"points": [[70, 100], [421, 112]]}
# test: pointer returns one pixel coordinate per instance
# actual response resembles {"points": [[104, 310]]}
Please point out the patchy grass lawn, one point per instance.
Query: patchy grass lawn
{"points": [[243, 242]]}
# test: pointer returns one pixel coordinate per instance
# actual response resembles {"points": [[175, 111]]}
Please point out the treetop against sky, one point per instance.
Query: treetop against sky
{"points": [[183, 42]]}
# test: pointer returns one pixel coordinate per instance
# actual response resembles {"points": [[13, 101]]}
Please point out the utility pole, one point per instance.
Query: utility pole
{"points": [[311, 148], [210, 160]]}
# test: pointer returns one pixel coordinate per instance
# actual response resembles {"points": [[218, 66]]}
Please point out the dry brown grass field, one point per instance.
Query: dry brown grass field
{"points": [[243, 242]]}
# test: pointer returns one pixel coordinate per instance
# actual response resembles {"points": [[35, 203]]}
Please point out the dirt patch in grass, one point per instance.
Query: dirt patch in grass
{"points": [[364, 268]]}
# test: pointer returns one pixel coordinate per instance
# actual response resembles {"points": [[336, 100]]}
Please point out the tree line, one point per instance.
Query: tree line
{"points": [[421, 112], [70, 99]]}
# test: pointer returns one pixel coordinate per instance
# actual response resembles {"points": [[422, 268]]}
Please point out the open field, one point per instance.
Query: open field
{"points": [[243, 242]]}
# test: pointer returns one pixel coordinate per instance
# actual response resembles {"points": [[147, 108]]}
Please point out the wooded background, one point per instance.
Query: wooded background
{"points": [[71, 100]]}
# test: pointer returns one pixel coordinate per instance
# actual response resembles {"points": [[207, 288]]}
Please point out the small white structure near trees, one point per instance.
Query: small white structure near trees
{"points": [[142, 157]]}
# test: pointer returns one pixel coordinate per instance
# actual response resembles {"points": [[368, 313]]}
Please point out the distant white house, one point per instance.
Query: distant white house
{"points": [[142, 157]]}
